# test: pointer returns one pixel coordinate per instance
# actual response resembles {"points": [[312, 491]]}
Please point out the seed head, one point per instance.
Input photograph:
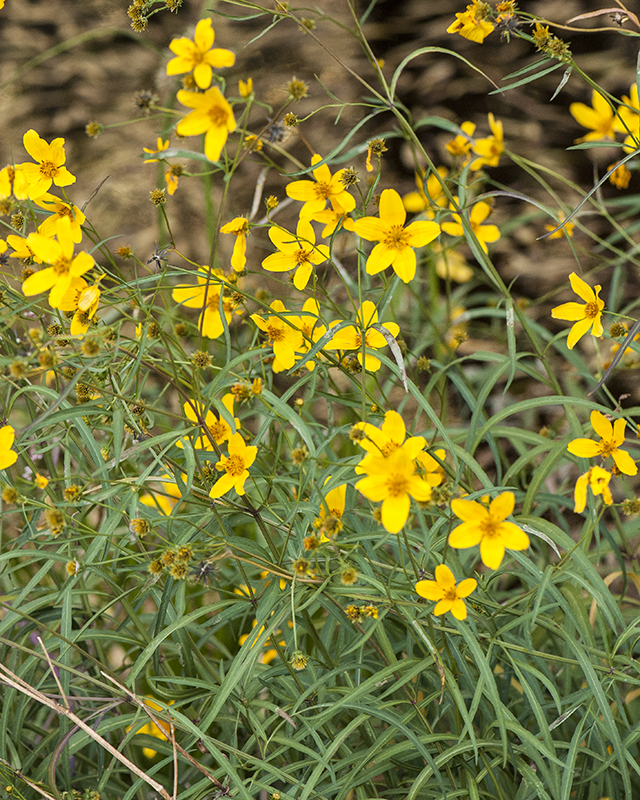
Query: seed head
{"points": [[297, 89], [93, 129], [158, 197]]}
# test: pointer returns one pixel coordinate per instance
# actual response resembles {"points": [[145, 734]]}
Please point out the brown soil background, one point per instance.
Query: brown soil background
{"points": [[64, 63]]}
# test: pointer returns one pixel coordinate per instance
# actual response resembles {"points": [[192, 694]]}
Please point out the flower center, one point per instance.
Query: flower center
{"points": [[48, 169], [489, 527], [396, 237], [234, 465], [213, 299], [450, 595], [218, 116], [218, 431], [302, 256], [275, 334], [64, 211], [397, 485], [607, 448], [323, 189], [591, 310], [62, 267], [388, 448]]}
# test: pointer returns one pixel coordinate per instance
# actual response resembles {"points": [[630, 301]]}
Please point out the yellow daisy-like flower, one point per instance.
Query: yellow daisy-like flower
{"points": [[83, 300], [427, 197], [588, 316], [333, 506], [160, 146], [218, 429], [469, 26], [309, 325], [597, 479], [283, 336], [49, 168], [64, 265], [488, 528], [352, 337], [163, 502], [58, 209], [384, 440], [477, 215], [299, 252], [331, 218], [7, 455], [197, 56], [567, 230], [21, 249], [444, 590], [489, 149], [396, 242], [207, 297], [451, 265], [239, 227], [245, 88], [235, 466], [211, 115], [611, 438], [463, 142], [394, 480], [159, 731], [599, 117], [13, 181], [314, 194]]}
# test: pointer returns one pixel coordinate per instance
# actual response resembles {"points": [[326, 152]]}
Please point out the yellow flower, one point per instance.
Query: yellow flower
{"points": [[298, 252], [314, 194], [462, 143], [83, 300], [488, 528], [477, 215], [235, 466], [331, 218], [586, 316], [620, 177], [58, 209], [160, 731], [394, 480], [211, 115], [396, 242], [269, 652], [7, 455], [207, 297], [21, 249], [245, 88], [160, 146], [308, 323], [239, 227], [49, 168], [13, 181], [218, 429], [172, 176], [163, 502], [64, 265], [468, 25], [490, 148], [197, 56], [41, 481], [351, 337], [597, 479], [611, 438], [567, 230], [451, 265], [599, 117], [284, 338], [332, 506], [444, 590], [428, 196]]}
